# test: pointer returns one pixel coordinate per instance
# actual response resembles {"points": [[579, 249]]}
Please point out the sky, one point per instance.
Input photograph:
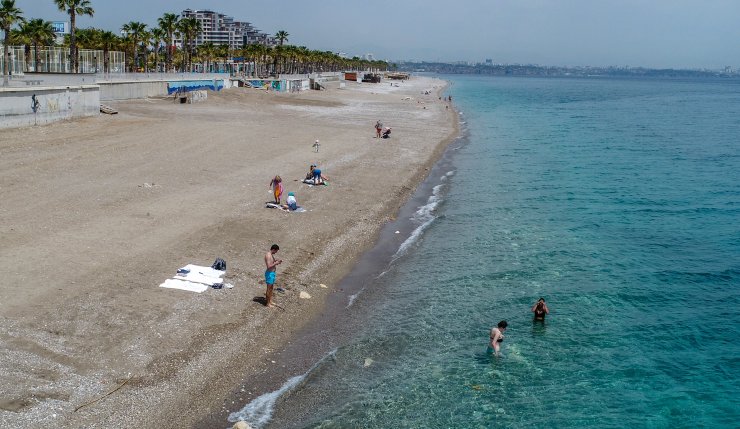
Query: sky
{"points": [[648, 33]]}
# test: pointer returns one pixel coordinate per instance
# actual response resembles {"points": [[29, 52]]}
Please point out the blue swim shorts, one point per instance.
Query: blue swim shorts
{"points": [[270, 277]]}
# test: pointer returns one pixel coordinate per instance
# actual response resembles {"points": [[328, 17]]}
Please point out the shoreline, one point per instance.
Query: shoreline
{"points": [[221, 337], [315, 339], [319, 338]]}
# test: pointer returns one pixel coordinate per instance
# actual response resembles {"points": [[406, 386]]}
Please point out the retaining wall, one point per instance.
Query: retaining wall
{"points": [[21, 107], [129, 90]]}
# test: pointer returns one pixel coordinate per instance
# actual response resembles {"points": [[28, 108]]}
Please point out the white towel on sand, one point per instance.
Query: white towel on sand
{"points": [[199, 278], [184, 285], [206, 271]]}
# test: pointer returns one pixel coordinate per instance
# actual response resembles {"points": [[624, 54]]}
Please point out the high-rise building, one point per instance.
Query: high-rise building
{"points": [[220, 29]]}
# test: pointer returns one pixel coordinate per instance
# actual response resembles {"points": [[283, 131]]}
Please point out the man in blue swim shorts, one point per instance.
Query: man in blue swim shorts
{"points": [[271, 263]]}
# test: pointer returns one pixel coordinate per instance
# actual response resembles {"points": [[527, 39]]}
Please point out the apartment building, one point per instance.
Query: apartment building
{"points": [[220, 29]]}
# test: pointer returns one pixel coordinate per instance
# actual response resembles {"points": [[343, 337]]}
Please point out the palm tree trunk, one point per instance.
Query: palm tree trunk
{"points": [[169, 52], [6, 56], [27, 54], [36, 57], [72, 42]]}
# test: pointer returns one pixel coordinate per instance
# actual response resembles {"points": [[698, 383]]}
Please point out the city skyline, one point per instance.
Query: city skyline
{"points": [[658, 34]]}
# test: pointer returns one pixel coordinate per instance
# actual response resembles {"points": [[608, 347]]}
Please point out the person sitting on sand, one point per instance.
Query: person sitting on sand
{"points": [[387, 133], [540, 310], [318, 178], [496, 337], [277, 188], [314, 175], [292, 204]]}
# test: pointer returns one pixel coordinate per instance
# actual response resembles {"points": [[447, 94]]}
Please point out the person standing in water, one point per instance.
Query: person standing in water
{"points": [[540, 310], [496, 337]]}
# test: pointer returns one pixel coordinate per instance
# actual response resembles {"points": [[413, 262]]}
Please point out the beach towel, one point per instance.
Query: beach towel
{"points": [[206, 271], [310, 182], [279, 207], [199, 278], [184, 285]]}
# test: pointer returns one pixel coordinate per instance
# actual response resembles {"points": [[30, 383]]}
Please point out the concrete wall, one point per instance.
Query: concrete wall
{"points": [[128, 90], [51, 104], [138, 89]]}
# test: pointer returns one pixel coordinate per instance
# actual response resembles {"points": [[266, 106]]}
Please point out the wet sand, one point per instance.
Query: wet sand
{"points": [[96, 213]]}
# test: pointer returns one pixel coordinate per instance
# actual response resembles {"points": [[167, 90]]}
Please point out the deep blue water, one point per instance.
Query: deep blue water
{"points": [[616, 200]]}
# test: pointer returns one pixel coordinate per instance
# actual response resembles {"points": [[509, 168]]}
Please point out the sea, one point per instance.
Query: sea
{"points": [[615, 200]]}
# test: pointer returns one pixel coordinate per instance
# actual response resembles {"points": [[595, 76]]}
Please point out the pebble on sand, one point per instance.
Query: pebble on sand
{"points": [[367, 363], [322, 285], [241, 425], [304, 295]]}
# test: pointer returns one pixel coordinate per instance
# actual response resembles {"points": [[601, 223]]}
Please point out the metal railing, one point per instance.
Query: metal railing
{"points": [[52, 59]]}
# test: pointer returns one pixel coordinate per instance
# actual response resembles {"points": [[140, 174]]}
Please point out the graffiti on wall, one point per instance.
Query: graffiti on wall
{"points": [[52, 105], [194, 85], [275, 85]]}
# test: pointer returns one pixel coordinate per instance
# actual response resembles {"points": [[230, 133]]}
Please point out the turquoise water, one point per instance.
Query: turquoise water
{"points": [[616, 200]]}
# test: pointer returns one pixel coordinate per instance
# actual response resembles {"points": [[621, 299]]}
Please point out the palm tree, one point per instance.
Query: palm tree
{"points": [[206, 52], [222, 53], [168, 23], [135, 32], [41, 33], [9, 16], [282, 36], [189, 28], [74, 8], [107, 41], [158, 36], [22, 37]]}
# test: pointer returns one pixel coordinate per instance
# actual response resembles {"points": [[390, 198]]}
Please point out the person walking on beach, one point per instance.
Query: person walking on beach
{"points": [[540, 309], [270, 272], [277, 188], [378, 129], [496, 337]]}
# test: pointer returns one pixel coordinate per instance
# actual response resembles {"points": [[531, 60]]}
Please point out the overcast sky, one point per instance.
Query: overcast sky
{"points": [[650, 33]]}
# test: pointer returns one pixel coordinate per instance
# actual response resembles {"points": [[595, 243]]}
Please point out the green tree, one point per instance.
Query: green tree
{"points": [[41, 33], [168, 23], [135, 33], [206, 52], [108, 40], [189, 28], [22, 37], [159, 36], [9, 16], [73, 8], [282, 36]]}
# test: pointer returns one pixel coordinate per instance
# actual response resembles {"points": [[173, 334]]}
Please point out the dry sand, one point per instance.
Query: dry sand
{"points": [[96, 213]]}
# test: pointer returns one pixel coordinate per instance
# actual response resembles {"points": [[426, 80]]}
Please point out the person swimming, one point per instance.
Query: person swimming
{"points": [[540, 310], [497, 337]]}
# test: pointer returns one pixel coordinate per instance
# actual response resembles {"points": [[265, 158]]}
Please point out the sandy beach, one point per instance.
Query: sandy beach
{"points": [[96, 213]]}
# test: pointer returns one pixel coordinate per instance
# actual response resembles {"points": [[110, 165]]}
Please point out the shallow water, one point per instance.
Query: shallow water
{"points": [[616, 200]]}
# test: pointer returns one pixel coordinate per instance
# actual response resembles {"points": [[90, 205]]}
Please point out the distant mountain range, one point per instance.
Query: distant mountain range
{"points": [[535, 70]]}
